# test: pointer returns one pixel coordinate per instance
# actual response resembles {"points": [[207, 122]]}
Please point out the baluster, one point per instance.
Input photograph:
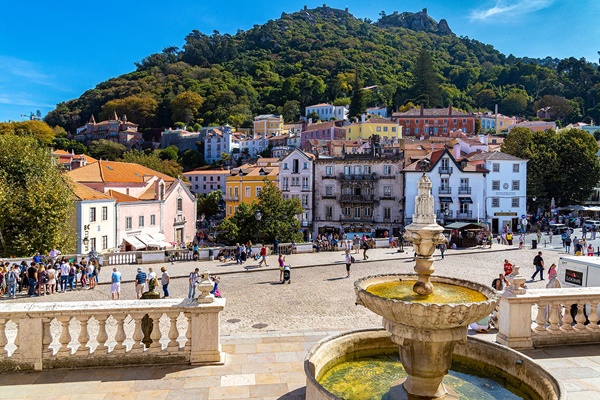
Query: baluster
{"points": [[84, 336], [593, 317], [120, 336], [540, 319], [102, 337], [65, 336], [580, 318], [138, 335], [46, 338], [554, 318], [155, 335], [567, 319], [188, 333], [173, 332], [3, 339]]}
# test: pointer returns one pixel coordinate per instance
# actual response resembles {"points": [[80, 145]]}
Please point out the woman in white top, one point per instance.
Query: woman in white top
{"points": [[51, 280]]}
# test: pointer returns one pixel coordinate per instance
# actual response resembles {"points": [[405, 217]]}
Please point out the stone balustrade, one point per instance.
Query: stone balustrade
{"points": [[102, 333], [549, 317]]}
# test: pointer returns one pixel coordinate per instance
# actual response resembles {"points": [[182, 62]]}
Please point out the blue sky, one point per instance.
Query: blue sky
{"points": [[54, 51]]}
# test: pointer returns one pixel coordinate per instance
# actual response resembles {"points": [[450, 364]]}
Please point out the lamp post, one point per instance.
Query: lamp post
{"points": [[258, 216]]}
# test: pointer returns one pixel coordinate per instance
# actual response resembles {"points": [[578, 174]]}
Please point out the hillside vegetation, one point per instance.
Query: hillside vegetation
{"points": [[312, 56]]}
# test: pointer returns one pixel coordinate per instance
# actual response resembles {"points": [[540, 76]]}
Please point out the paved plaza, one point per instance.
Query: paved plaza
{"points": [[267, 328]]}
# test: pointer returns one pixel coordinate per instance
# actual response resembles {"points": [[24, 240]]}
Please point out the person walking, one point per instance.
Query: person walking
{"points": [[51, 285], [165, 279], [365, 246], [140, 282], [64, 275], [443, 248], [348, 263], [11, 278], [538, 261], [281, 262], [32, 279], [568, 244], [192, 281], [263, 254], [356, 244], [115, 285]]}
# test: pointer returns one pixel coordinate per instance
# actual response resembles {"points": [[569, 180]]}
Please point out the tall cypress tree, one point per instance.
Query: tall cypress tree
{"points": [[357, 102], [426, 86]]}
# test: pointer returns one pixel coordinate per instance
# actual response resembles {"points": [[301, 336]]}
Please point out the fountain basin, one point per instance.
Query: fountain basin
{"points": [[509, 367], [426, 315]]}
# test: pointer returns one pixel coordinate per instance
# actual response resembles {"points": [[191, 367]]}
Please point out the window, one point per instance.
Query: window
{"points": [[416, 131], [357, 170], [368, 212], [93, 214], [385, 128], [258, 190], [295, 166], [328, 190], [328, 212], [495, 202], [104, 242], [304, 200], [378, 129], [387, 191], [247, 191], [347, 190], [387, 213], [128, 223], [152, 220], [329, 170], [495, 167], [305, 165], [179, 204], [367, 169], [347, 170], [445, 163], [515, 185], [407, 131], [464, 208], [204, 187], [515, 167], [305, 182], [387, 169], [93, 243], [204, 178], [104, 213], [285, 166], [141, 221], [393, 129], [495, 185], [445, 182], [515, 202], [347, 211]]}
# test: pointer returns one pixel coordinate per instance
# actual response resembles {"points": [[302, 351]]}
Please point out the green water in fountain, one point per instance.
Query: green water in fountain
{"points": [[370, 378], [443, 293]]}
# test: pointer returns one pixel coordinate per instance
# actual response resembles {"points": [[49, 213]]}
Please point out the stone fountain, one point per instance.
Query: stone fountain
{"points": [[426, 319]]}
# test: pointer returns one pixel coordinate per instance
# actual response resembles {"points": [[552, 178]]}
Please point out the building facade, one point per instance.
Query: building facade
{"points": [[296, 177], [333, 130], [358, 193], [427, 122], [268, 124], [219, 141], [244, 185], [116, 129], [327, 111], [206, 181], [373, 126]]}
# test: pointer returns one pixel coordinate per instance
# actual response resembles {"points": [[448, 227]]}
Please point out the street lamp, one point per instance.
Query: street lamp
{"points": [[258, 216]]}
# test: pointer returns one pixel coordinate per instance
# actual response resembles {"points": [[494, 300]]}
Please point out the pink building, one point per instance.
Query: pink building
{"points": [[333, 130], [114, 129], [149, 205]]}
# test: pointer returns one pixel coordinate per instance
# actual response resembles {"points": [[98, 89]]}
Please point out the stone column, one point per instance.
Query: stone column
{"points": [[515, 321], [205, 335], [30, 342]]}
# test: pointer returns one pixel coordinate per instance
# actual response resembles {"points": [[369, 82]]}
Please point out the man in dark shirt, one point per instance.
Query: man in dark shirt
{"points": [[140, 282], [32, 278], [538, 261]]}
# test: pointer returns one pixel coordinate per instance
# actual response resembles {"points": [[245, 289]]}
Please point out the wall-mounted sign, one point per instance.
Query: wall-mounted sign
{"points": [[505, 214]]}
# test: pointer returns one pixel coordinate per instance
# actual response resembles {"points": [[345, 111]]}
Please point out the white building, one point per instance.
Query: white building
{"points": [[328, 111], [296, 176], [254, 145], [379, 111], [217, 142], [458, 187], [206, 181], [505, 191]]}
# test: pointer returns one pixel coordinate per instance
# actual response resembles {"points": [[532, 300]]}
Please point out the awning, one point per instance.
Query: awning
{"points": [[160, 241], [465, 200], [135, 243], [146, 239], [445, 199]]}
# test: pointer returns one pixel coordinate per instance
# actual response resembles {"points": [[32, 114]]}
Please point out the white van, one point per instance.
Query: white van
{"points": [[579, 271], [590, 223]]}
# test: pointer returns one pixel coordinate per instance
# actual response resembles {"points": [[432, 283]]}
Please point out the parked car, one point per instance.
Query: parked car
{"points": [[591, 223]]}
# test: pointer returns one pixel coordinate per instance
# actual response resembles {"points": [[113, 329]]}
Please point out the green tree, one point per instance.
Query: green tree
{"points": [[515, 103], [426, 83], [357, 102], [185, 107], [291, 111], [170, 153], [209, 204], [106, 150], [140, 110], [36, 202], [191, 159], [153, 161], [62, 143], [34, 128], [313, 116]]}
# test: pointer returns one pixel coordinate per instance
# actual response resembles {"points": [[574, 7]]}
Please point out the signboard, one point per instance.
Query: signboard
{"points": [[574, 277], [505, 214]]}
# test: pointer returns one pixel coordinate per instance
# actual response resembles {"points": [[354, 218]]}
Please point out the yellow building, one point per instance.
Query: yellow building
{"points": [[245, 183], [373, 126], [268, 124]]}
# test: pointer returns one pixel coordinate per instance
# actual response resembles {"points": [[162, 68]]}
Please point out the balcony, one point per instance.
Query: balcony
{"points": [[444, 190], [445, 170], [468, 214], [388, 197], [285, 188], [441, 214], [351, 198], [231, 198], [305, 188], [329, 196], [358, 177], [328, 177], [388, 176], [464, 190]]}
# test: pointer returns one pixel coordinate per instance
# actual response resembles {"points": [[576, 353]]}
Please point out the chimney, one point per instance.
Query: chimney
{"points": [[456, 150], [422, 107], [450, 109]]}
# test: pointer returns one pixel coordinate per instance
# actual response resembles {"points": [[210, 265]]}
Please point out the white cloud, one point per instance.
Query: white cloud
{"points": [[517, 7], [20, 99]]}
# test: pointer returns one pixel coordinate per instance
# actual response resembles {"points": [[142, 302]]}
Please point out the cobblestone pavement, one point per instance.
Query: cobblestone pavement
{"points": [[268, 327]]}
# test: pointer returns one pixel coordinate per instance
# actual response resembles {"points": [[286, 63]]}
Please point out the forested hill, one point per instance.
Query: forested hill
{"points": [[311, 56]]}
